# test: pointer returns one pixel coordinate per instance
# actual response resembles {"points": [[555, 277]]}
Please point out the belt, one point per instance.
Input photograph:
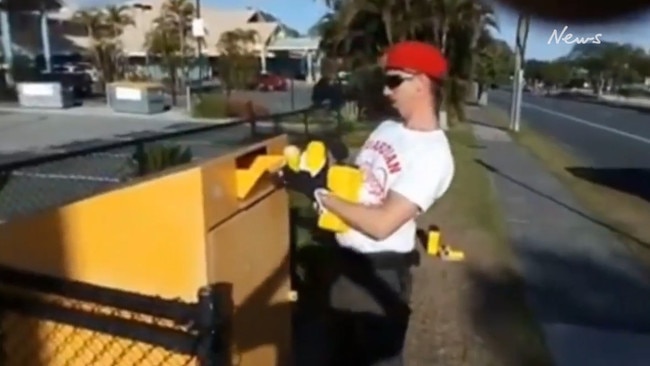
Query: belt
{"points": [[384, 260]]}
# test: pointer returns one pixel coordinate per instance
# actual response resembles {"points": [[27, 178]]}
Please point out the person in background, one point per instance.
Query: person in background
{"points": [[327, 92]]}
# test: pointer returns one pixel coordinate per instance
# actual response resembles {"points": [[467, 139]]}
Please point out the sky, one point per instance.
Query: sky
{"points": [[635, 31], [302, 14]]}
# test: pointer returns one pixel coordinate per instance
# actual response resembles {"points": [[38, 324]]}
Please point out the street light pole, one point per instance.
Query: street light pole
{"points": [[142, 9], [523, 26], [199, 42]]}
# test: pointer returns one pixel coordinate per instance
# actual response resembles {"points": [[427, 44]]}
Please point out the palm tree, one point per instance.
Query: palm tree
{"points": [[238, 63], [362, 29], [116, 19], [93, 22], [168, 39], [179, 14]]}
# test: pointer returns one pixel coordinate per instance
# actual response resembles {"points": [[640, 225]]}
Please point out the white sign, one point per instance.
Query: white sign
{"points": [[127, 93], [37, 89], [198, 28], [568, 38]]}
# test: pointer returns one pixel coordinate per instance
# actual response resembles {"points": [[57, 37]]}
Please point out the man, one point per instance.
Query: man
{"points": [[407, 166]]}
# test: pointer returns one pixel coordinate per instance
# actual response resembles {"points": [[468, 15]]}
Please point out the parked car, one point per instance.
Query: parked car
{"points": [[78, 67], [271, 82], [79, 82]]}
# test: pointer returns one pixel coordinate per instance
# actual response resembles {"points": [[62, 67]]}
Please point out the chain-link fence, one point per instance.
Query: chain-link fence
{"points": [[48, 321], [42, 182], [52, 321]]}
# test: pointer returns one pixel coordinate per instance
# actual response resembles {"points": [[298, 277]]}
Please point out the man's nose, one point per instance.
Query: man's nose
{"points": [[387, 91]]}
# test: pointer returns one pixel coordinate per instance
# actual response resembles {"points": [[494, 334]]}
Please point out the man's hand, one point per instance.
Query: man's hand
{"points": [[303, 182], [314, 167], [319, 196]]}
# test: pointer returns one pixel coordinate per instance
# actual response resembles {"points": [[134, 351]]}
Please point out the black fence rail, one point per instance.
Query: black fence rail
{"points": [[51, 321], [79, 170]]}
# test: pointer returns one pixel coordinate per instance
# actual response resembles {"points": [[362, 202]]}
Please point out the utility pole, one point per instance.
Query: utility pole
{"points": [[523, 26], [199, 42]]}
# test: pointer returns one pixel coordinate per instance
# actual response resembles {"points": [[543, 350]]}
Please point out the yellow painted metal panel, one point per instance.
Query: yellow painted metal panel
{"points": [[251, 252], [146, 238]]}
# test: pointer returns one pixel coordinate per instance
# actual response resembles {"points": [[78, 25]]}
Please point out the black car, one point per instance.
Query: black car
{"points": [[80, 82]]}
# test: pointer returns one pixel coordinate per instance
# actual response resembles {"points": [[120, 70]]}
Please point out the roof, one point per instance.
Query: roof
{"points": [[295, 44], [217, 21], [26, 37], [30, 5]]}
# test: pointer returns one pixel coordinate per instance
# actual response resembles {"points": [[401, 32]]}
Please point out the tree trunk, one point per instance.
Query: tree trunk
{"points": [[388, 26], [443, 39], [476, 33], [181, 33], [173, 80]]}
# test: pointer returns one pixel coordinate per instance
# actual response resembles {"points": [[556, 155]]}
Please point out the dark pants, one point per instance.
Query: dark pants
{"points": [[370, 312]]}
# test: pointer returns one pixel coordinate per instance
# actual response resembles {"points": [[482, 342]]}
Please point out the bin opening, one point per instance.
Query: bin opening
{"points": [[245, 161], [252, 166]]}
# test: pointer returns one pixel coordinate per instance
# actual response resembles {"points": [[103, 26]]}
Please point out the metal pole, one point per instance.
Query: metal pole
{"points": [[212, 349], [7, 51], [199, 42], [45, 38], [515, 90], [293, 102], [523, 25], [520, 78], [181, 29]]}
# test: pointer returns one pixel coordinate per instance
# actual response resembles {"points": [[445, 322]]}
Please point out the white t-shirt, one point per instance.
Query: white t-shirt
{"points": [[416, 164]]}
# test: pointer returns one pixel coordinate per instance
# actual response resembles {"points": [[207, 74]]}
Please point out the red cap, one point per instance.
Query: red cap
{"points": [[418, 57]]}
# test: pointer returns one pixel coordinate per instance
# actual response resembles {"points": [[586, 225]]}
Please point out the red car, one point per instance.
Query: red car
{"points": [[271, 82]]}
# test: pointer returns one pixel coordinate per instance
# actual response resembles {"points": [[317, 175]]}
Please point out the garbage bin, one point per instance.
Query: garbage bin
{"points": [[136, 97], [45, 95], [168, 236]]}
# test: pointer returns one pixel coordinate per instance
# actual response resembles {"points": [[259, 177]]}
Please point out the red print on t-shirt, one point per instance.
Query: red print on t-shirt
{"points": [[375, 180], [387, 152], [376, 175]]}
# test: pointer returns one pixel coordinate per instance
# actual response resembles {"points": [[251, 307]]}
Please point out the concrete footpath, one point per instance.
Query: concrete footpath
{"points": [[590, 295]]}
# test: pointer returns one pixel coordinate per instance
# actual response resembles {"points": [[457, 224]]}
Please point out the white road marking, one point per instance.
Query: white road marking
{"points": [[588, 123], [88, 178]]}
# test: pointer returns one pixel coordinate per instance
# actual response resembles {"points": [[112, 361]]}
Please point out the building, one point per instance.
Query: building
{"points": [[275, 41]]}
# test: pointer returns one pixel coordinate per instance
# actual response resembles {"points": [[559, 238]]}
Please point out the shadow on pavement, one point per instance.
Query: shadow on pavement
{"points": [[566, 288], [633, 181], [490, 125], [575, 210]]}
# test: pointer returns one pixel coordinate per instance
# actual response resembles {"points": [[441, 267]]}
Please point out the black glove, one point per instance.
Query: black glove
{"points": [[303, 182], [306, 180]]}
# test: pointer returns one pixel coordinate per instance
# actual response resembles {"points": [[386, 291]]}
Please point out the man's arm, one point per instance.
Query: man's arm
{"points": [[420, 183], [379, 221]]}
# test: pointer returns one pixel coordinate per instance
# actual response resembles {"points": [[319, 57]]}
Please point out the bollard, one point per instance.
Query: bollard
{"points": [[211, 349], [188, 98]]}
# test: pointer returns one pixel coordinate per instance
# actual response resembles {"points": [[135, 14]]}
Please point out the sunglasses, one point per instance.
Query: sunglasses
{"points": [[393, 81]]}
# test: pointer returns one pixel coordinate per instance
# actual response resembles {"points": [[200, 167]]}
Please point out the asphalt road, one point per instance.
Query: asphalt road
{"points": [[600, 136], [26, 134]]}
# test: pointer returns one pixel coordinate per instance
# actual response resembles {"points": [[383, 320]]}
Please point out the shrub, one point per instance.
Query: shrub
{"points": [[219, 106], [245, 109], [158, 157], [210, 106], [634, 92]]}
